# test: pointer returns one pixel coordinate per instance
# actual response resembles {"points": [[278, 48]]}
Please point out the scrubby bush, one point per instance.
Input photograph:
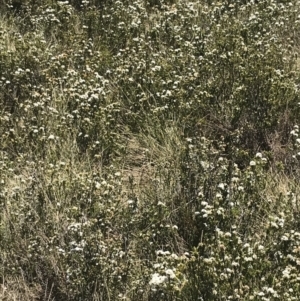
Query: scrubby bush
{"points": [[149, 150]]}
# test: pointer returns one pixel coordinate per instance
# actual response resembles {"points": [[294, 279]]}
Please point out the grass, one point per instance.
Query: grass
{"points": [[149, 150]]}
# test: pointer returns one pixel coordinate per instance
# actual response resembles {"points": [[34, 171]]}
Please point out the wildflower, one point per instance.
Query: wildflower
{"points": [[97, 185], [157, 279], [170, 273], [258, 155], [260, 247], [221, 186], [271, 290], [219, 196], [261, 294], [264, 160], [235, 179], [286, 273], [161, 252], [208, 260], [174, 256]]}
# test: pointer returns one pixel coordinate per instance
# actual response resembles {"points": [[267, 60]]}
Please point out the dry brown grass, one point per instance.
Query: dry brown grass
{"points": [[16, 289]]}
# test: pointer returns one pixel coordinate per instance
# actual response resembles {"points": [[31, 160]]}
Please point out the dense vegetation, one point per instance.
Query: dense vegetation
{"points": [[149, 150]]}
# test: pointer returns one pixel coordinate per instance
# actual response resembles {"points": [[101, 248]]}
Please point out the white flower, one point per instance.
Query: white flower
{"points": [[219, 196], [258, 155], [208, 260], [261, 294], [235, 179], [294, 133], [252, 163], [170, 273], [271, 290], [157, 279], [161, 252], [174, 256], [97, 185], [286, 273], [204, 164], [77, 249], [260, 247], [221, 186]]}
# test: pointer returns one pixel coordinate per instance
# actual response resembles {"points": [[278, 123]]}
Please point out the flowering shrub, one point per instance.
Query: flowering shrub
{"points": [[149, 150]]}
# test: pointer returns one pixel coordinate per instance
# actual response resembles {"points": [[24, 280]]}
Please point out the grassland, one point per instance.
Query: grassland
{"points": [[149, 150]]}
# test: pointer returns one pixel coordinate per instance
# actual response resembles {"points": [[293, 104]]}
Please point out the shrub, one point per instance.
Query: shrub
{"points": [[149, 150]]}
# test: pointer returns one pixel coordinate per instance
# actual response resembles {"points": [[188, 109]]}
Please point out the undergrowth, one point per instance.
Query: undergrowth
{"points": [[149, 150]]}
